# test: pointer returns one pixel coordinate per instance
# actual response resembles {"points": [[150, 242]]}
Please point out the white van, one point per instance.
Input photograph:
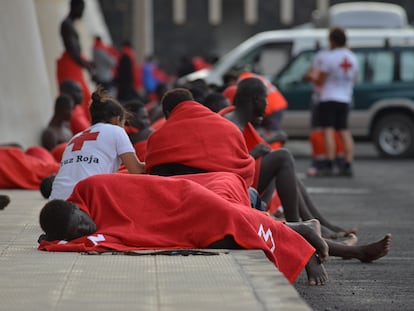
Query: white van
{"points": [[368, 24], [267, 52]]}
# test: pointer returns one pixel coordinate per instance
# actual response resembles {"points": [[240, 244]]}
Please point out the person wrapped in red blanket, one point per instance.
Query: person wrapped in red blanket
{"points": [[193, 136], [25, 169], [132, 212]]}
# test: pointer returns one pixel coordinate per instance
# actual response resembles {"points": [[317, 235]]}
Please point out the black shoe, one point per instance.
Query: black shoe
{"points": [[4, 201], [46, 186], [345, 171], [325, 172]]}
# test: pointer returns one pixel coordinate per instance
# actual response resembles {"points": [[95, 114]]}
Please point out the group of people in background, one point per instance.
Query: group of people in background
{"points": [[221, 146]]}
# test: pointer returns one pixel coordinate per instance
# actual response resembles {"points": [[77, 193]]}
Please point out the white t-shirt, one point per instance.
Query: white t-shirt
{"points": [[316, 65], [341, 67], [96, 150]]}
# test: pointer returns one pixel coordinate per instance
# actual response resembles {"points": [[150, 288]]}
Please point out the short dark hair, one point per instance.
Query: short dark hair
{"points": [[174, 97], [338, 36], [77, 3], [104, 107], [247, 89], [216, 102], [54, 219], [133, 105], [63, 102], [67, 86]]}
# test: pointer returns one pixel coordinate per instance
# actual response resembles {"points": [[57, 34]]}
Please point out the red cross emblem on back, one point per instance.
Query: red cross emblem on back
{"points": [[78, 141], [345, 65]]}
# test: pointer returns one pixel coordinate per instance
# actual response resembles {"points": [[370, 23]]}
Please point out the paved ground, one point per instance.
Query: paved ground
{"points": [[221, 280], [378, 200]]}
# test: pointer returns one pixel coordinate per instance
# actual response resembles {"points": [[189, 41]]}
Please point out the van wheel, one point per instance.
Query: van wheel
{"points": [[393, 136]]}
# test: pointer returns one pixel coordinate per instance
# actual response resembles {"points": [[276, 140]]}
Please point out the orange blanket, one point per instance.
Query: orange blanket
{"points": [[151, 212], [20, 170], [195, 136]]}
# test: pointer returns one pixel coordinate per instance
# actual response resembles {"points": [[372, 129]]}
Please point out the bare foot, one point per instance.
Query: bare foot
{"points": [[329, 233], [374, 251], [315, 224], [351, 239], [316, 272], [310, 230]]}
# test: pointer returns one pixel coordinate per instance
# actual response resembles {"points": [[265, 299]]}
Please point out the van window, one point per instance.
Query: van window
{"points": [[376, 66], [265, 60], [407, 66], [295, 71]]}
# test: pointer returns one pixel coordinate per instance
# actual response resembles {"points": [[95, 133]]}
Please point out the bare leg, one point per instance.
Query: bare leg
{"points": [[279, 164], [311, 232], [316, 272], [348, 145], [329, 138], [308, 210], [364, 253], [351, 240]]}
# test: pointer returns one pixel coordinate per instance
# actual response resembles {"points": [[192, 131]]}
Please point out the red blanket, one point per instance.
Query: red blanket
{"points": [[20, 170], [195, 136], [151, 212], [79, 120], [68, 69], [141, 149]]}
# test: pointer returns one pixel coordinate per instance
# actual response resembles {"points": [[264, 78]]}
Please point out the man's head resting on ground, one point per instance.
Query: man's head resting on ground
{"points": [[62, 220]]}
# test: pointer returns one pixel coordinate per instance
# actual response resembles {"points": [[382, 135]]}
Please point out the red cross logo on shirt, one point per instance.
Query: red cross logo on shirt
{"points": [[345, 65], [78, 141]]}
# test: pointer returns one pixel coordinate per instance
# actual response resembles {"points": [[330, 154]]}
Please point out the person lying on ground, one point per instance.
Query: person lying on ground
{"points": [[25, 169], [120, 211]]}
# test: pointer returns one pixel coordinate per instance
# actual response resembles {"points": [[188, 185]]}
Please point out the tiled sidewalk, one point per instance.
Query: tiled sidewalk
{"points": [[35, 280]]}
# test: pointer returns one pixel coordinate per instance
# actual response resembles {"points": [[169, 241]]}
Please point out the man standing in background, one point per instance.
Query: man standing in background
{"points": [[336, 78]]}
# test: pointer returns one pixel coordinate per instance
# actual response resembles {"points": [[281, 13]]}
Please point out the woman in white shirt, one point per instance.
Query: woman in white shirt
{"points": [[99, 149]]}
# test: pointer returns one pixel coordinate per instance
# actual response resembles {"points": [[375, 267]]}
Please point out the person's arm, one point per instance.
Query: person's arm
{"points": [[132, 163], [72, 45], [320, 78], [259, 150]]}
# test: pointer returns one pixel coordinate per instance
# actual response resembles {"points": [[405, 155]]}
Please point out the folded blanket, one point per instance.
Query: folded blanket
{"points": [[135, 212], [195, 136]]}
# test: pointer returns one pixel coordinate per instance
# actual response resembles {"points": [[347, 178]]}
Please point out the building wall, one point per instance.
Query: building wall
{"points": [[24, 85], [30, 46], [197, 36]]}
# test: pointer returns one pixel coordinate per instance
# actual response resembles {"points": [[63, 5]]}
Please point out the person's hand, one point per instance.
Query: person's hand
{"points": [[260, 150], [143, 167], [275, 136], [90, 67]]}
